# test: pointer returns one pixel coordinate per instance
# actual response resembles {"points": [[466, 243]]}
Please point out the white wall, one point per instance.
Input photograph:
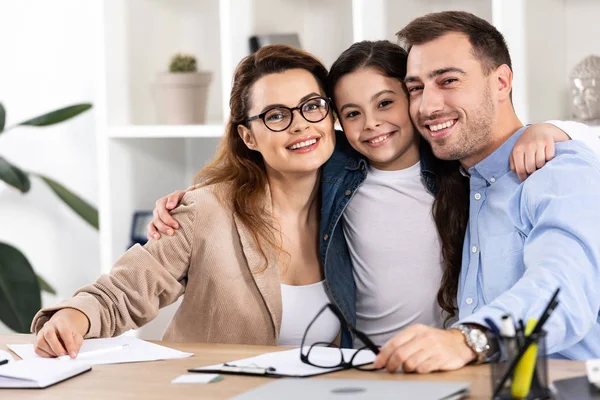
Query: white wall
{"points": [[48, 61]]}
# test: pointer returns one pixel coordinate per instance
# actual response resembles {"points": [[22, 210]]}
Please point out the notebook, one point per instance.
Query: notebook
{"points": [[39, 373], [354, 389]]}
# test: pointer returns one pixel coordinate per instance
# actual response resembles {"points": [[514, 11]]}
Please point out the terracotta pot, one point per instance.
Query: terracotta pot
{"points": [[185, 96]]}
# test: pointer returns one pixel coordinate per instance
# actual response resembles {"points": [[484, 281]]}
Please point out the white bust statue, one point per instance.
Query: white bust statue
{"points": [[585, 89]]}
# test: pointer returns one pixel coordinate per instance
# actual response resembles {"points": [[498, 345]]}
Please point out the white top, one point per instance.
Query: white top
{"points": [[395, 253], [579, 131], [300, 305]]}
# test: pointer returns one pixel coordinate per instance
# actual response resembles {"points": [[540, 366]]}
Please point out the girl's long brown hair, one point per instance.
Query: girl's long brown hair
{"points": [[244, 169], [451, 214]]}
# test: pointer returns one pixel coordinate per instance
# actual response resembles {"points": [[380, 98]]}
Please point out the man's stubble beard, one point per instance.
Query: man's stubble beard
{"points": [[473, 136]]}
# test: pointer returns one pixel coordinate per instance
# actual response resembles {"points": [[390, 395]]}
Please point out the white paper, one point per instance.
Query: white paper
{"points": [[5, 355], [137, 350], [288, 362], [195, 378], [40, 372]]}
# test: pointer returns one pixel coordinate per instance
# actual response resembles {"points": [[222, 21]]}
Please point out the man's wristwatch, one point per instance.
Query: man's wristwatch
{"points": [[477, 340]]}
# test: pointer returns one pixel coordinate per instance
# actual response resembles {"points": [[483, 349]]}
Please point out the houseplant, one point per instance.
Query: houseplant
{"points": [[20, 287], [184, 91]]}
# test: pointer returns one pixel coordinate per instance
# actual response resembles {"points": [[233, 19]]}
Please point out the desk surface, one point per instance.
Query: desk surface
{"points": [[152, 380]]}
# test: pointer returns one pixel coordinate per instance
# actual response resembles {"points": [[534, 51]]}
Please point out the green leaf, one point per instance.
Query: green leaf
{"points": [[57, 116], [77, 204], [45, 286], [2, 117], [19, 290], [14, 176]]}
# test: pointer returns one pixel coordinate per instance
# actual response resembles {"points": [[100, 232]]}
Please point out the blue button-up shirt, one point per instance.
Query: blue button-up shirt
{"points": [[525, 239]]}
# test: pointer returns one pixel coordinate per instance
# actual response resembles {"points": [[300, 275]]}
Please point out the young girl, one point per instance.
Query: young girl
{"points": [[379, 246]]}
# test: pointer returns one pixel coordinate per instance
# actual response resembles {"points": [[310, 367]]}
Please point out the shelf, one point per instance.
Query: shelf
{"points": [[141, 37], [166, 131]]}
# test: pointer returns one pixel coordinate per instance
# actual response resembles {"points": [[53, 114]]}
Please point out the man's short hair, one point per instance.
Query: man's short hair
{"points": [[488, 44]]}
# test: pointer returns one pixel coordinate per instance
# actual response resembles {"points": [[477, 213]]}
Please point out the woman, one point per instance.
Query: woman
{"points": [[246, 238], [379, 246]]}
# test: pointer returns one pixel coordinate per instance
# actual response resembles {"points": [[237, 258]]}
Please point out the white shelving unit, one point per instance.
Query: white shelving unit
{"points": [[141, 160]]}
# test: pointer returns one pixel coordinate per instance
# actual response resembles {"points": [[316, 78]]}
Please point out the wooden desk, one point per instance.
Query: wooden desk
{"points": [[152, 380]]}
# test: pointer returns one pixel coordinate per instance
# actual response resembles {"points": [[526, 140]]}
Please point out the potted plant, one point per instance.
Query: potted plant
{"points": [[20, 287], [184, 91]]}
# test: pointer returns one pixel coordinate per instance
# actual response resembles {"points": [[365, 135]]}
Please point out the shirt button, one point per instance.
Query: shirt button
{"points": [[492, 179], [326, 237], [477, 196], [362, 167], [473, 249], [348, 192], [469, 301]]}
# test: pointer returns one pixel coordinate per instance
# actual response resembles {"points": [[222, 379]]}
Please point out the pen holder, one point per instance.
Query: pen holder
{"points": [[529, 380]]}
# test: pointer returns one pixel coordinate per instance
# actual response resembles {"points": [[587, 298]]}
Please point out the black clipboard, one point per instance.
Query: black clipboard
{"points": [[268, 372]]}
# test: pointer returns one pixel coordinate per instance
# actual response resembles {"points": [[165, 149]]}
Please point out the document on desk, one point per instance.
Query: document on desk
{"points": [[39, 373], [5, 356], [288, 363], [122, 349]]}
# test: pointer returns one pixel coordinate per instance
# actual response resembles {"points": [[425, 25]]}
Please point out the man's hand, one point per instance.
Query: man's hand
{"points": [[420, 348]]}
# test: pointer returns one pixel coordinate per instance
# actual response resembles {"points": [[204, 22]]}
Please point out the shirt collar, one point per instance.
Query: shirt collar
{"points": [[497, 164]]}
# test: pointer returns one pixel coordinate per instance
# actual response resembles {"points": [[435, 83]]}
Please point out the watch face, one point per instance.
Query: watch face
{"points": [[478, 339]]}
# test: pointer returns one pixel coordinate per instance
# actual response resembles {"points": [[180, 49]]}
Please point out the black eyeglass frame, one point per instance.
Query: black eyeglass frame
{"points": [[291, 110], [343, 363]]}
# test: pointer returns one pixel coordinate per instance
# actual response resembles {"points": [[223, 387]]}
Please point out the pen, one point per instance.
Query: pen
{"points": [[95, 352], [508, 336], [249, 369], [521, 333], [507, 326], [524, 369], [2, 362], [528, 341]]}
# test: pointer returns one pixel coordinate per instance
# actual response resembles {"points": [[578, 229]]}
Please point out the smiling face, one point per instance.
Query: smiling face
{"points": [[304, 146], [451, 98], [373, 110]]}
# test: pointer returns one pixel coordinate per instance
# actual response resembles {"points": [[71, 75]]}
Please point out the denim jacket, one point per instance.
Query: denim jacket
{"points": [[342, 175]]}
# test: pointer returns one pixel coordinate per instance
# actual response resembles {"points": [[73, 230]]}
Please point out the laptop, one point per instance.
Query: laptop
{"points": [[354, 389]]}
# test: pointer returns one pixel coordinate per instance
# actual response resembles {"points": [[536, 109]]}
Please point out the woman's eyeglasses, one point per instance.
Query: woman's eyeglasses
{"points": [[312, 356], [280, 118]]}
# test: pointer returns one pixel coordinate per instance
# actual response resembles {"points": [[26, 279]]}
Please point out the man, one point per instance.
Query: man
{"points": [[523, 239]]}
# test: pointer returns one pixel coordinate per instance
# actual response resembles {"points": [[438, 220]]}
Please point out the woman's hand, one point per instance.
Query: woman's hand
{"points": [[163, 222], [62, 334], [534, 148]]}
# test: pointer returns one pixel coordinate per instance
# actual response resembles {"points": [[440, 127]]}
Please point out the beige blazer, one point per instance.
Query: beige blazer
{"points": [[229, 295]]}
